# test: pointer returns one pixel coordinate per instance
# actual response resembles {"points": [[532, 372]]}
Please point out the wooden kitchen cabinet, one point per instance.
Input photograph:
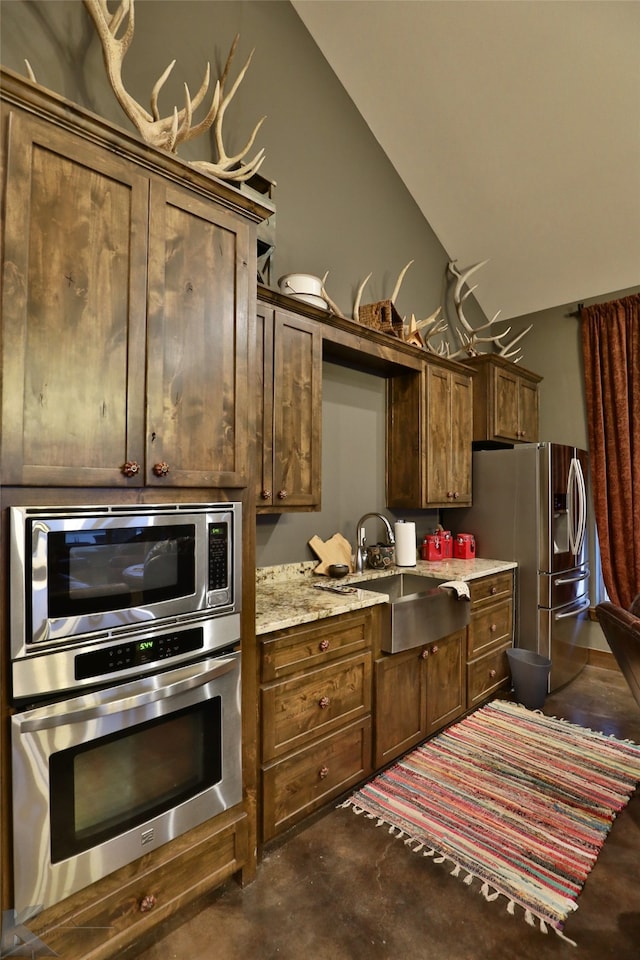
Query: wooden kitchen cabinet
{"points": [[429, 436], [489, 635], [289, 411], [505, 400], [315, 716], [417, 692], [125, 319]]}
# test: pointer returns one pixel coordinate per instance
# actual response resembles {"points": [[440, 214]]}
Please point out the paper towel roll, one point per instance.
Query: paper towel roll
{"points": [[405, 534]]}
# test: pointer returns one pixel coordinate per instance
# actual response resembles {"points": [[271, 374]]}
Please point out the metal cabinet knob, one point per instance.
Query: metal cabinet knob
{"points": [[494, 590], [323, 703], [266, 494], [131, 468], [493, 627], [282, 494], [161, 469], [434, 648], [147, 903], [424, 654], [492, 673], [323, 772], [324, 645]]}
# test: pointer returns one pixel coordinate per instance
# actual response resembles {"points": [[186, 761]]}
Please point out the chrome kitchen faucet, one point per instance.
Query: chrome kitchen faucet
{"points": [[361, 540]]}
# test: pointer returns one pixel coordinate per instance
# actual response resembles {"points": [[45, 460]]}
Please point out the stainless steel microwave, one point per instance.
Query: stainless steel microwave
{"points": [[88, 573]]}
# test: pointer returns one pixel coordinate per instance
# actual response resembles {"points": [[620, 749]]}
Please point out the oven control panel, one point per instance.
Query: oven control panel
{"points": [[137, 653]]}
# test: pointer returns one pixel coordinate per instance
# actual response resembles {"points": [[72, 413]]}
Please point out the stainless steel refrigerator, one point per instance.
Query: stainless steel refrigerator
{"points": [[530, 505]]}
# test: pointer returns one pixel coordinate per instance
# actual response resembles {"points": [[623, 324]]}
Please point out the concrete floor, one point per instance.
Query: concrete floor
{"points": [[343, 889]]}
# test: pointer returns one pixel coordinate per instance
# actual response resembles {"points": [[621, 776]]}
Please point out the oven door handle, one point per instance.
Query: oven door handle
{"points": [[50, 717]]}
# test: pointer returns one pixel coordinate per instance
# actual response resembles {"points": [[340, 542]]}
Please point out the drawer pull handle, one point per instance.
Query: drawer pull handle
{"points": [[324, 645], [323, 703], [131, 468], [424, 654], [493, 627], [161, 469], [147, 903], [434, 648], [282, 494], [266, 494], [492, 673], [323, 773], [494, 590]]}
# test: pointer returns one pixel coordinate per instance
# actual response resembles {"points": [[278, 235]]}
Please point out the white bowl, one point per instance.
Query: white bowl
{"points": [[296, 284], [310, 298]]}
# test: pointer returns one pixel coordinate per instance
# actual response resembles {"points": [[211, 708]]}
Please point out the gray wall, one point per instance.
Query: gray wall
{"points": [[340, 207]]}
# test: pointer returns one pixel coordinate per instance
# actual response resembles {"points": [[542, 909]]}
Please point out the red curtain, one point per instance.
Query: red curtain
{"points": [[611, 351]]}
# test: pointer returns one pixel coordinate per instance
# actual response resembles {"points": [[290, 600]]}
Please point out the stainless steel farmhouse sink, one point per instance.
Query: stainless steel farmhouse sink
{"points": [[417, 611]]}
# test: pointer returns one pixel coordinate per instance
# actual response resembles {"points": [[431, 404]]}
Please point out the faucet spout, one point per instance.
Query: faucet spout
{"points": [[361, 540]]}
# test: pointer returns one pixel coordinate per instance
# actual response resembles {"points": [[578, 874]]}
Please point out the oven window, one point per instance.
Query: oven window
{"points": [[107, 786], [93, 571]]}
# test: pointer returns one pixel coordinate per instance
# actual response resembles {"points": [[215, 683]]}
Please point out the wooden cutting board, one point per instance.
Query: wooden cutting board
{"points": [[336, 549]]}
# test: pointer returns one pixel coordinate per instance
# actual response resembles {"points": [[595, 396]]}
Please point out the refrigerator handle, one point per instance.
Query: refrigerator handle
{"points": [[581, 576], [576, 496], [571, 503], [574, 613], [582, 506]]}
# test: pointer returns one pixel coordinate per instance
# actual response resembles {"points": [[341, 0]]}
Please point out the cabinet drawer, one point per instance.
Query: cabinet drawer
{"points": [[296, 710], [490, 628], [486, 674], [488, 589], [288, 652], [292, 788], [98, 922]]}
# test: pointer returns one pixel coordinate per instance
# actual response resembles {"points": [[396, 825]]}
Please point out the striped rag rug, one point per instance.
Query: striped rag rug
{"points": [[519, 801]]}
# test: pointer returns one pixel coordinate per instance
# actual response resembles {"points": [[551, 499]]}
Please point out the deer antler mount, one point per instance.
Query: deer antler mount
{"points": [[116, 33], [468, 336]]}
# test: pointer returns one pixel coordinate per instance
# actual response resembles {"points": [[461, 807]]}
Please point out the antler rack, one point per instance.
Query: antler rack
{"points": [[178, 127]]}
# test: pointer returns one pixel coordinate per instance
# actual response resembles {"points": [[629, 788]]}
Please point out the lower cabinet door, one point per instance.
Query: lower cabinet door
{"points": [[400, 703], [295, 786], [446, 687]]}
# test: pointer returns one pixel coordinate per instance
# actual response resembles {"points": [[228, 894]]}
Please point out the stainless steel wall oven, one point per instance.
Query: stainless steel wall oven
{"points": [[127, 735]]}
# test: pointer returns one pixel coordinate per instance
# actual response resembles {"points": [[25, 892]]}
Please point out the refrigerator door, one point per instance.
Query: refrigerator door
{"points": [[563, 507], [558, 631]]}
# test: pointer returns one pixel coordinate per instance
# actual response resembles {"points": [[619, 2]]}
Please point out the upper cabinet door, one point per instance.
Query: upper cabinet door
{"points": [[297, 411], [505, 400], [200, 268], [288, 411], [74, 293]]}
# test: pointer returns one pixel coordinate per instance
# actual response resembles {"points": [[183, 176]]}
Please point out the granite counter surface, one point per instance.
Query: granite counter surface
{"points": [[286, 595]]}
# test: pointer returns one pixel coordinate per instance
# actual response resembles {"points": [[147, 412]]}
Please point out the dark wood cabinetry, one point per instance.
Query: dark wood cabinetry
{"points": [[289, 411], [125, 321], [489, 635], [315, 709], [429, 433], [505, 404], [417, 692]]}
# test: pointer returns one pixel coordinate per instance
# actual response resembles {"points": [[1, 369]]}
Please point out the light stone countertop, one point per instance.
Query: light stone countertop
{"points": [[286, 597]]}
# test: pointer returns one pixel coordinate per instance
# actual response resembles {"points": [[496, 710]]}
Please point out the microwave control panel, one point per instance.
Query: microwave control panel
{"points": [[219, 560]]}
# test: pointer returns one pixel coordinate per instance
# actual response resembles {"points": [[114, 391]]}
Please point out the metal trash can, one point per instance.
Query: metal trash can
{"points": [[530, 677]]}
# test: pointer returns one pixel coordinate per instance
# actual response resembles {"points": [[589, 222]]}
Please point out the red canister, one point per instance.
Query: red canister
{"points": [[432, 547], [464, 546], [447, 544]]}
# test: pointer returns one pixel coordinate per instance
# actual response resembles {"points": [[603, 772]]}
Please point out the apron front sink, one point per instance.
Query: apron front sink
{"points": [[417, 611]]}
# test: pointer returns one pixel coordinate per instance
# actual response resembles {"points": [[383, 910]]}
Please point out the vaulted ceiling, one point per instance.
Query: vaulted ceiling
{"points": [[514, 124]]}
